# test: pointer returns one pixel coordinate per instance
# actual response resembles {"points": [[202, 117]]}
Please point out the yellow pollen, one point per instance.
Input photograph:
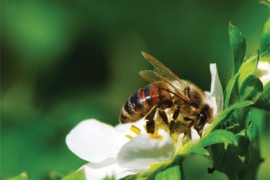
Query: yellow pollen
{"points": [[155, 136], [135, 129], [129, 137]]}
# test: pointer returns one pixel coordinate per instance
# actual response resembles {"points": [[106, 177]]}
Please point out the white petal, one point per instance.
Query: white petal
{"points": [[179, 141], [194, 135], [142, 151], [206, 126], [107, 168], [216, 88], [263, 70], [95, 141]]}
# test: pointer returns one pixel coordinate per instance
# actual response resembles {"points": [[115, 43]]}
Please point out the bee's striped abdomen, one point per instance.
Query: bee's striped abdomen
{"points": [[142, 101]]}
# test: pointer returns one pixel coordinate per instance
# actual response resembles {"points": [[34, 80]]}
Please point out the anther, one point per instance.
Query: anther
{"points": [[129, 137], [135, 129]]}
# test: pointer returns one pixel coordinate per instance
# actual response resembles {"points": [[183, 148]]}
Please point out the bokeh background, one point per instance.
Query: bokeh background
{"points": [[66, 61]]}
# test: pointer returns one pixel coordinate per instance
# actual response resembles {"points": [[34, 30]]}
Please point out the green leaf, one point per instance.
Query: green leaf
{"points": [[172, 173], [232, 125], [55, 175], [248, 68], [132, 177], [22, 176], [229, 89], [230, 163], [265, 39], [217, 154], [265, 2], [251, 88], [256, 122], [224, 115], [238, 44], [193, 148], [109, 178], [218, 136], [243, 143], [78, 175], [253, 157], [161, 167], [265, 55]]}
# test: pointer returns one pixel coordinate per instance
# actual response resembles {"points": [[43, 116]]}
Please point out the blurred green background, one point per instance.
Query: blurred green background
{"points": [[66, 61]]}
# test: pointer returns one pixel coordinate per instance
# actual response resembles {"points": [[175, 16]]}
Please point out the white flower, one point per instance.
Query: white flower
{"points": [[263, 71], [112, 153], [126, 148]]}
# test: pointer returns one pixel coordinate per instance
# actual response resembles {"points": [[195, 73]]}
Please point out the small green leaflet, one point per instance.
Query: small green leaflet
{"points": [[218, 136], [248, 68], [22, 176], [222, 117], [172, 173], [265, 39], [229, 89], [251, 88], [238, 44], [78, 175]]}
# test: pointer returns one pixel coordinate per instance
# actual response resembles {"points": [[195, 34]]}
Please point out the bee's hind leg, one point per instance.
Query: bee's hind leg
{"points": [[150, 124], [161, 119]]}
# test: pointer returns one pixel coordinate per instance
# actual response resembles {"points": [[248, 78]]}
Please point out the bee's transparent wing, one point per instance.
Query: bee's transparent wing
{"points": [[162, 82], [161, 69]]}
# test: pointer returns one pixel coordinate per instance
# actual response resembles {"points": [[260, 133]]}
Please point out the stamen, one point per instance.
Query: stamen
{"points": [[135, 129], [153, 136], [128, 136]]}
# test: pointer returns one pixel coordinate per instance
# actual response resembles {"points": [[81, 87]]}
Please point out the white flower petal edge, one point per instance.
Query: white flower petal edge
{"points": [[142, 150], [194, 135], [215, 97], [107, 168], [95, 141]]}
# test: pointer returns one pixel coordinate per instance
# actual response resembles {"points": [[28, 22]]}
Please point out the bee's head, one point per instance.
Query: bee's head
{"points": [[204, 116]]}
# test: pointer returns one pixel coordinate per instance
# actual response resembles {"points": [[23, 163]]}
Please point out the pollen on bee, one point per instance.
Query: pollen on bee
{"points": [[135, 129]]}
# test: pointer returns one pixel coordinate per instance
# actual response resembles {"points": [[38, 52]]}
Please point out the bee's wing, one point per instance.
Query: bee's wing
{"points": [[162, 69], [163, 77], [163, 83]]}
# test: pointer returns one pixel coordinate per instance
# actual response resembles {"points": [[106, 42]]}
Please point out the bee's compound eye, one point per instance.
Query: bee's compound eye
{"points": [[202, 119]]}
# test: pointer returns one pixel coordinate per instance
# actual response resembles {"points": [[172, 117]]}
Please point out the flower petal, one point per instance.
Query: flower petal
{"points": [[142, 150], [216, 88], [179, 141], [263, 71], [107, 168], [194, 135], [95, 141]]}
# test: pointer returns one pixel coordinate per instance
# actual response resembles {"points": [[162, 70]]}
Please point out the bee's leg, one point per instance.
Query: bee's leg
{"points": [[150, 124], [187, 129], [171, 126], [187, 133], [162, 114], [176, 112], [174, 117]]}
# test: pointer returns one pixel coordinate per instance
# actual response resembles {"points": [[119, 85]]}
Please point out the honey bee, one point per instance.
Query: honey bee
{"points": [[167, 91]]}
